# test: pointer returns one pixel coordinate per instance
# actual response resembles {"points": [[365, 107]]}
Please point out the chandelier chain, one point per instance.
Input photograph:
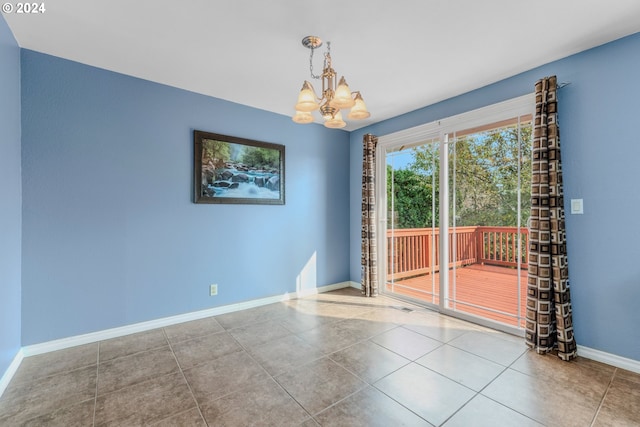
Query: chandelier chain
{"points": [[311, 64], [327, 55]]}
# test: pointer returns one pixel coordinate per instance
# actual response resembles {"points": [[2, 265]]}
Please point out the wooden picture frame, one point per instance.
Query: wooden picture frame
{"points": [[229, 169]]}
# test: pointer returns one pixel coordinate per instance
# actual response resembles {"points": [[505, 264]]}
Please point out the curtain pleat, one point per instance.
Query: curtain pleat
{"points": [[369, 244], [549, 324]]}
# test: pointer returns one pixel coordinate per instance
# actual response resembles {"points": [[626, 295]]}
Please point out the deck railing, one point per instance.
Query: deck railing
{"points": [[415, 251]]}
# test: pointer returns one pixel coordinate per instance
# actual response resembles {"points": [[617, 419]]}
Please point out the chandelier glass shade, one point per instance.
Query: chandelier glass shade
{"points": [[335, 95]]}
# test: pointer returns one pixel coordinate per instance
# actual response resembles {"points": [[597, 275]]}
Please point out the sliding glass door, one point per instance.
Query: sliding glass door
{"points": [[412, 220], [456, 209], [489, 198]]}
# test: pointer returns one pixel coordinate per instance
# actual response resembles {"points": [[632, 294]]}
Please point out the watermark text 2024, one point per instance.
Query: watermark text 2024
{"points": [[23, 8]]}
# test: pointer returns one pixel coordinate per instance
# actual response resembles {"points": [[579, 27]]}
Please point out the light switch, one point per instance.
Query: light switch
{"points": [[576, 207]]}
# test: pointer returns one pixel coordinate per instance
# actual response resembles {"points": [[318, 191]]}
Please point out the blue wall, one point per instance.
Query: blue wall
{"points": [[110, 233], [598, 115], [10, 197]]}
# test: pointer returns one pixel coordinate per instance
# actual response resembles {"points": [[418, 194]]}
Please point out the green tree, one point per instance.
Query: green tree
{"points": [[490, 168], [409, 197], [216, 152], [258, 157]]}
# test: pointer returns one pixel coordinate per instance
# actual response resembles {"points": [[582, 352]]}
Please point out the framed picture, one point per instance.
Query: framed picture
{"points": [[228, 169]]}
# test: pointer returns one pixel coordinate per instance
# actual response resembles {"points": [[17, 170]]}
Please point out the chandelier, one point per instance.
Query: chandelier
{"points": [[335, 97]]}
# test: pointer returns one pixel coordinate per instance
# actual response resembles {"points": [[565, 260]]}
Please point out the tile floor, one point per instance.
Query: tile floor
{"points": [[334, 359]]}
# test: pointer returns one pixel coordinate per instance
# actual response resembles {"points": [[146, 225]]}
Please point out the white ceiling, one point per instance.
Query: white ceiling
{"points": [[401, 54]]}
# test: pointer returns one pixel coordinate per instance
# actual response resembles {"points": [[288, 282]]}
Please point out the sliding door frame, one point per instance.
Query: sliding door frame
{"points": [[445, 131]]}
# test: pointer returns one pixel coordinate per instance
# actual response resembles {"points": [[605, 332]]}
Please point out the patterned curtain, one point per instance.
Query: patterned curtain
{"points": [[549, 324], [369, 247]]}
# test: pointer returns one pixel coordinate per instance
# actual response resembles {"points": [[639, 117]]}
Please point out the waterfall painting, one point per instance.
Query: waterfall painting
{"points": [[228, 169]]}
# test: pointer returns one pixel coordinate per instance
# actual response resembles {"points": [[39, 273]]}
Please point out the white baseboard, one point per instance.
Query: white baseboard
{"points": [[45, 347], [11, 371], [609, 359], [356, 285], [320, 290]]}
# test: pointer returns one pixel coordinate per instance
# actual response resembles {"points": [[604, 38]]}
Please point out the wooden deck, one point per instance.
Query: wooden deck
{"points": [[493, 288]]}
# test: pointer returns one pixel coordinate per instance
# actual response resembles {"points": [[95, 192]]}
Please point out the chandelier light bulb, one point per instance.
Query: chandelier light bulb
{"points": [[302, 117], [359, 110], [335, 122], [342, 98], [307, 99]]}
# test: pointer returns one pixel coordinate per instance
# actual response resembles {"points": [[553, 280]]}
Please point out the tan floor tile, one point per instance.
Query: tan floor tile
{"points": [[264, 403], [77, 415], [354, 296], [298, 320], [621, 406], [24, 401], [348, 296], [369, 361], [631, 377], [406, 343], [126, 371], [517, 339], [259, 333], [144, 403], [130, 344], [552, 403], [368, 327], [319, 384], [282, 354], [330, 310], [369, 408], [483, 412], [189, 330], [56, 362], [223, 375], [338, 335], [333, 337], [204, 349], [252, 316], [426, 393], [396, 315], [491, 347], [190, 418], [532, 363], [343, 292], [589, 378], [438, 327], [462, 367]]}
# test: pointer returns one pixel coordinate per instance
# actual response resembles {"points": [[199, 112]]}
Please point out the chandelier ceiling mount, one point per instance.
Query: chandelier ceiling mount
{"points": [[312, 42]]}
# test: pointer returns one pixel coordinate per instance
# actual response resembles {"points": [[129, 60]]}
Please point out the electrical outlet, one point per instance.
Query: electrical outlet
{"points": [[213, 290]]}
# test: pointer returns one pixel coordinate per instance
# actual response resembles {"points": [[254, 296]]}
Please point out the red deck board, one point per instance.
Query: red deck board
{"points": [[492, 287]]}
